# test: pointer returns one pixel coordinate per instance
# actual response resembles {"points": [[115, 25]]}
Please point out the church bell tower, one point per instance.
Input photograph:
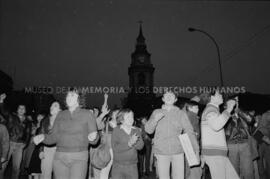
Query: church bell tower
{"points": [[141, 78]]}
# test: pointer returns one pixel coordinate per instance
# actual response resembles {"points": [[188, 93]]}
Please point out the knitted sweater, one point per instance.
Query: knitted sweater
{"points": [[212, 131], [70, 131], [122, 153]]}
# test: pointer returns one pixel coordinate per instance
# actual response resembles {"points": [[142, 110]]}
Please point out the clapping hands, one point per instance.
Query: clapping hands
{"points": [[134, 138]]}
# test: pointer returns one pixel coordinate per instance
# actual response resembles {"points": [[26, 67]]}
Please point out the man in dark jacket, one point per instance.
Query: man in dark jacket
{"points": [[240, 151], [19, 128]]}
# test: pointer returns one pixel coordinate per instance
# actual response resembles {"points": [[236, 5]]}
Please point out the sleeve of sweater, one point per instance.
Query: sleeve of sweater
{"points": [[118, 145], [151, 124], [5, 141], [52, 136], [189, 130], [216, 120], [92, 127]]}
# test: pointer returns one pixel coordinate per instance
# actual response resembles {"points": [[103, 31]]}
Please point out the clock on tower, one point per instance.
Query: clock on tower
{"points": [[141, 59]]}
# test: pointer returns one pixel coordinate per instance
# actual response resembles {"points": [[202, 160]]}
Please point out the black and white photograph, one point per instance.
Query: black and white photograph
{"points": [[134, 89]]}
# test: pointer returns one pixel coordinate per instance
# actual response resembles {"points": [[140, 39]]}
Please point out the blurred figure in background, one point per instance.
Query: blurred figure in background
{"points": [[49, 150], [192, 108], [102, 123], [34, 167], [145, 153], [238, 131], [263, 136], [4, 144], [19, 127], [29, 149], [4, 112], [4, 136]]}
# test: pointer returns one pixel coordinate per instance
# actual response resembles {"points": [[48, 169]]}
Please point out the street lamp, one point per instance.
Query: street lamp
{"points": [[218, 51]]}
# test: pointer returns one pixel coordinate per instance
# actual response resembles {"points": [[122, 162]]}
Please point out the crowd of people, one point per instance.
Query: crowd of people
{"points": [[78, 143]]}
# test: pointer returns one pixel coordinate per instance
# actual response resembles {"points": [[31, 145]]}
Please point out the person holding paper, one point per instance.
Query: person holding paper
{"points": [[213, 140], [168, 123]]}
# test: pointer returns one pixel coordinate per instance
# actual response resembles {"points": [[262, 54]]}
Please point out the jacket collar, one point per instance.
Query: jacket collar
{"points": [[166, 107], [127, 130], [213, 104]]}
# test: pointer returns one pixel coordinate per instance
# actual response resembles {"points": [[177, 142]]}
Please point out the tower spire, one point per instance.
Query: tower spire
{"points": [[140, 43], [140, 38]]}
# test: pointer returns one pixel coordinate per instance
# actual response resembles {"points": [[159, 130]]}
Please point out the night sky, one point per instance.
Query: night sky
{"points": [[89, 43]]}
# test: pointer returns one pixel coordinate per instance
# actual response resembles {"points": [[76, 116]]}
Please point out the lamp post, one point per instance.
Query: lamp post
{"points": [[218, 51]]}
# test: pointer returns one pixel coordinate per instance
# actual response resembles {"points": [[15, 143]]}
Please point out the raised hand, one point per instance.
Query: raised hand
{"points": [[106, 98], [105, 110], [230, 105], [2, 97]]}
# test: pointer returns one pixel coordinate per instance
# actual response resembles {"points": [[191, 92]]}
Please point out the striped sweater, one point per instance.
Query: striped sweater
{"points": [[212, 131]]}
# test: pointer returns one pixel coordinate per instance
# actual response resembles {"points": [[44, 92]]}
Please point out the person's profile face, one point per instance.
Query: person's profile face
{"points": [[217, 98]]}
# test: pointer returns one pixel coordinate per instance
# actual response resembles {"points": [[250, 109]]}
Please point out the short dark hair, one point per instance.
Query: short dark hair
{"points": [[81, 96], [213, 91], [192, 103], [21, 104]]}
